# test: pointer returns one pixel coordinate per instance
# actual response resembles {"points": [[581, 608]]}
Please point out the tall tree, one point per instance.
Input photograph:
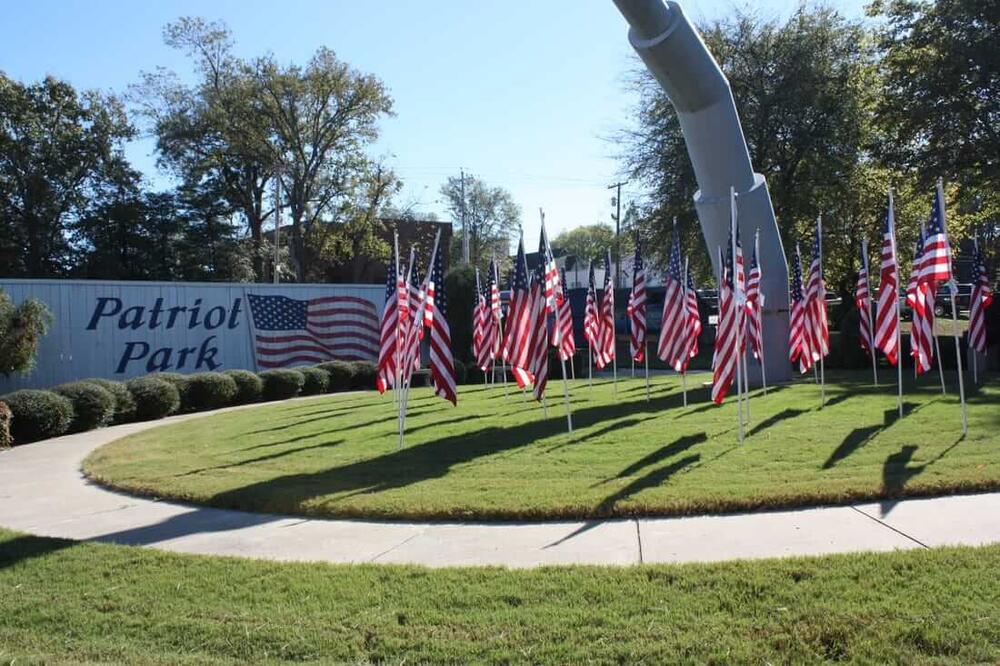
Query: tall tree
{"points": [[491, 216], [56, 147], [805, 89], [321, 118], [587, 242]]}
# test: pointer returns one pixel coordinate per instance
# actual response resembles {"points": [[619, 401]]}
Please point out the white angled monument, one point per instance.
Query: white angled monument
{"points": [[675, 54]]}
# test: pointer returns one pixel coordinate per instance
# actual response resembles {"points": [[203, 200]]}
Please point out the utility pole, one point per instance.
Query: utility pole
{"points": [[277, 225], [618, 229], [465, 227]]}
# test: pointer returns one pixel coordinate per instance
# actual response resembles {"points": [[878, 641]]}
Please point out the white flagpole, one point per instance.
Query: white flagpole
{"points": [[404, 359], [503, 361], [937, 351], [822, 357], [868, 310], [895, 299], [684, 386], [590, 364], [736, 303], [395, 352], [558, 340], [968, 338], [760, 297], [645, 359], [953, 289]]}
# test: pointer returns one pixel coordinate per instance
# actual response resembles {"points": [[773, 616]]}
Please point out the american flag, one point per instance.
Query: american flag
{"points": [[863, 300], [482, 329], [921, 300], [605, 352], [288, 331], [550, 272], [411, 328], [564, 322], [636, 308], [982, 298], [538, 331], [692, 323], [726, 351], [936, 264], [887, 321], [816, 326], [517, 343], [389, 342], [496, 313], [754, 305], [591, 317], [442, 365], [799, 348], [671, 347]]}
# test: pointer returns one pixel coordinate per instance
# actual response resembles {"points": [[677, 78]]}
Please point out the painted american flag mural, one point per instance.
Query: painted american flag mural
{"points": [[290, 331]]}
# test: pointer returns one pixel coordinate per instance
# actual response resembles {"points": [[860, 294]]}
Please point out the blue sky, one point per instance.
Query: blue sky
{"points": [[524, 94]]}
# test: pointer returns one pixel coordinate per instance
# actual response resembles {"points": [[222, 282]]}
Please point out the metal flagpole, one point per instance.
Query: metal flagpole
{"points": [[558, 341], [404, 358], [953, 289], [868, 310], [645, 358], [684, 385], [760, 297], [895, 299], [590, 364], [822, 357], [968, 338], [937, 351], [503, 361], [572, 367], [736, 302]]}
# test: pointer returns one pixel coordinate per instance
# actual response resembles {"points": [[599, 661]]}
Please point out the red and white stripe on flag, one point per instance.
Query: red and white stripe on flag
{"points": [[887, 319], [636, 308], [725, 354], [605, 352], [981, 299], [863, 301]]}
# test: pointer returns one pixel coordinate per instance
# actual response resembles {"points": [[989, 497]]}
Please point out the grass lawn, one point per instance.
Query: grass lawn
{"points": [[496, 458], [65, 602]]}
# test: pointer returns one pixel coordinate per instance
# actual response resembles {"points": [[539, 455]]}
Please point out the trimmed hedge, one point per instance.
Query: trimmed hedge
{"points": [[38, 414], [210, 390], [124, 402], [93, 406], [154, 398], [179, 381], [282, 383], [341, 375], [364, 375], [317, 380], [249, 387], [6, 439]]}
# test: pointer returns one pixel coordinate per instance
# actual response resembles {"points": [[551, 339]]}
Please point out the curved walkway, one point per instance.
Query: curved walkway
{"points": [[42, 492]]}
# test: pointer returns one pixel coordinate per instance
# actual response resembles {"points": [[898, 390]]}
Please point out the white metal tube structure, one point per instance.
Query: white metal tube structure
{"points": [[675, 54]]}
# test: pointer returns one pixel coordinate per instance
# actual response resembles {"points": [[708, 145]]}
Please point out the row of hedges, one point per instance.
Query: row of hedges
{"points": [[31, 415]]}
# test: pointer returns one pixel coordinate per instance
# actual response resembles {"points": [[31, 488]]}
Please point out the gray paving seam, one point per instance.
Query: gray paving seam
{"points": [[897, 531], [398, 545], [638, 538]]}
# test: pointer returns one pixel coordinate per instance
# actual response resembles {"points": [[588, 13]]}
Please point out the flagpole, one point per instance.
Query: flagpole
{"points": [[968, 338], [736, 303], [404, 359], [937, 350], [895, 299], [503, 361], [645, 359], [868, 310], [684, 386], [558, 336], [760, 300], [590, 364], [822, 357], [395, 352], [953, 289]]}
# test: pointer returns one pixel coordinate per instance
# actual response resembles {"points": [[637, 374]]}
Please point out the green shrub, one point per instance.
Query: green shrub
{"points": [[180, 382], [124, 402], [249, 386], [341, 375], [38, 414], [154, 398], [6, 439], [281, 384], [210, 390], [22, 328], [317, 380], [364, 375], [93, 406], [461, 373]]}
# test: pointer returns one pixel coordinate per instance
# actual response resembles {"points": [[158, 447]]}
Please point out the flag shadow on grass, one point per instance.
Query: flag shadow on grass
{"points": [[422, 462], [861, 436]]}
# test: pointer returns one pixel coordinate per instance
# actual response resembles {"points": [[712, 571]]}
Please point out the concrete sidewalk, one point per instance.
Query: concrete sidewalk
{"points": [[43, 492]]}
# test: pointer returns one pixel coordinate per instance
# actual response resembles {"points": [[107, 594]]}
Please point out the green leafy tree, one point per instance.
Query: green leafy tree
{"points": [[586, 243], [21, 329], [56, 147], [805, 90], [492, 219]]}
